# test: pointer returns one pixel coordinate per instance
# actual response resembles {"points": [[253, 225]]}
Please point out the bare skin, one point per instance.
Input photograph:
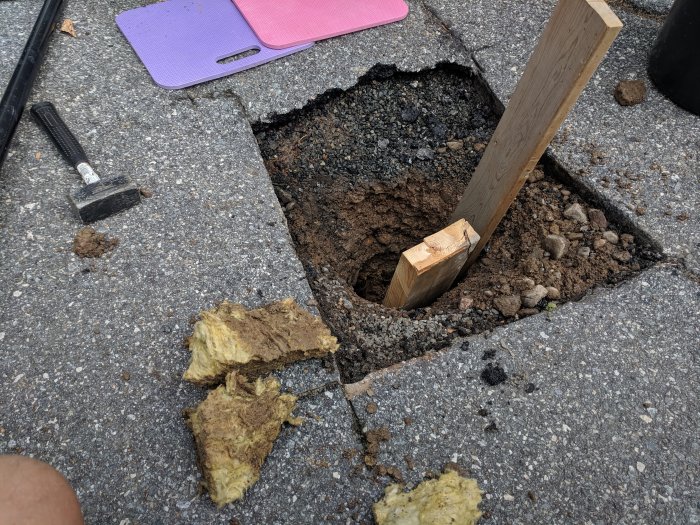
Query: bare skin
{"points": [[34, 493]]}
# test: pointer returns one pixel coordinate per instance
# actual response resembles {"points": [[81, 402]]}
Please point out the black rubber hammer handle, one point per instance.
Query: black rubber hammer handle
{"points": [[46, 114]]}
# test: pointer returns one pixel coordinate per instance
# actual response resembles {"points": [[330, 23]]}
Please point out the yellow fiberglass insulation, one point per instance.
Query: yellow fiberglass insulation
{"points": [[234, 429], [231, 337], [451, 499]]}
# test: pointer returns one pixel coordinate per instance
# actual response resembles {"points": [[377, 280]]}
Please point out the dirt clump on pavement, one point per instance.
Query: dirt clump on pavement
{"points": [[230, 336], [630, 92], [493, 375], [450, 499], [368, 173], [234, 430], [374, 438], [89, 243]]}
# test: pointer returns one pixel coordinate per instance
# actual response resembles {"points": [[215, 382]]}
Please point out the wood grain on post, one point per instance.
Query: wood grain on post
{"points": [[572, 45], [428, 269]]}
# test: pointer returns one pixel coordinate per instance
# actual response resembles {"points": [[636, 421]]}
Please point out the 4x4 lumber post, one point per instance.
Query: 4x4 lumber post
{"points": [[428, 269], [572, 45]]}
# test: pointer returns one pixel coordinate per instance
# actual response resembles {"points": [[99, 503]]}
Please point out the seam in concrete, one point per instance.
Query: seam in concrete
{"points": [[320, 389], [474, 59], [217, 95], [434, 16]]}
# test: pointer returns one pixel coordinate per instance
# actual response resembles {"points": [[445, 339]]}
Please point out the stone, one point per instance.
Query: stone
{"points": [[465, 303], [553, 293], [526, 312], [597, 219], [234, 429], [584, 251], [626, 239], [630, 92], [508, 305], [611, 237], [455, 145], [531, 297], [556, 246], [536, 175], [623, 256], [524, 283], [231, 337], [410, 114], [425, 154], [599, 243], [576, 213]]}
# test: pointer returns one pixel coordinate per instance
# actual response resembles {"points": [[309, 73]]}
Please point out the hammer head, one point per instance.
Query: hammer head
{"points": [[104, 198]]}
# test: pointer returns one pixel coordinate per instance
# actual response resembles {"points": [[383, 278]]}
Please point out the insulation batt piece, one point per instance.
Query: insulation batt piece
{"points": [[451, 499], [234, 429], [254, 342]]}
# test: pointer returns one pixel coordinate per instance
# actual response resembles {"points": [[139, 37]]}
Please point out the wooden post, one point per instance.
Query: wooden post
{"points": [[572, 45], [428, 270], [574, 42]]}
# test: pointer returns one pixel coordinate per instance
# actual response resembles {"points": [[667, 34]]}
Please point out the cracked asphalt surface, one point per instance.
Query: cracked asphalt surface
{"points": [[91, 354]]}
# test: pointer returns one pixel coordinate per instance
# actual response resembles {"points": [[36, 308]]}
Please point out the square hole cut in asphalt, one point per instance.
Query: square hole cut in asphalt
{"points": [[369, 172]]}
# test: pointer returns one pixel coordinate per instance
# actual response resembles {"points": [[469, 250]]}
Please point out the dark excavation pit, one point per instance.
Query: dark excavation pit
{"points": [[369, 172]]}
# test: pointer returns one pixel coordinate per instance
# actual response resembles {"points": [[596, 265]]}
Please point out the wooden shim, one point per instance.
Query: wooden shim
{"points": [[428, 269], [572, 45]]}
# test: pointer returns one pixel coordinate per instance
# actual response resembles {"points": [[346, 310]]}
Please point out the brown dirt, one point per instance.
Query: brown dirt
{"points": [[90, 243], [354, 202], [630, 92]]}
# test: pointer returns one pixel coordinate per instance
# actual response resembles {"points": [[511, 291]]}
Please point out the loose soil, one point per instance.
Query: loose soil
{"points": [[90, 243], [367, 173]]}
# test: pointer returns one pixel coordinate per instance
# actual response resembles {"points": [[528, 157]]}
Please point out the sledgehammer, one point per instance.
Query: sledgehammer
{"points": [[99, 198]]}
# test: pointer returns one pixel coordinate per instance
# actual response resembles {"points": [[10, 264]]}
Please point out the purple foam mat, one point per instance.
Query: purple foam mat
{"points": [[182, 41]]}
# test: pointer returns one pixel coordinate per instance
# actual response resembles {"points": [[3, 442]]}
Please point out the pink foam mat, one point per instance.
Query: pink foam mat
{"points": [[283, 23]]}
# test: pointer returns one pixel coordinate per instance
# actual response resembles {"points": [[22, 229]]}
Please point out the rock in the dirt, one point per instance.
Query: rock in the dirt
{"points": [[508, 305], [425, 154], [465, 303], [524, 283], [599, 243], [553, 293], [450, 499], [284, 196], [525, 312], [455, 145], [231, 337], [556, 245], [234, 429], [576, 213], [626, 239], [410, 114], [584, 251], [597, 219], [611, 237], [630, 92], [536, 175], [531, 297], [622, 256]]}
